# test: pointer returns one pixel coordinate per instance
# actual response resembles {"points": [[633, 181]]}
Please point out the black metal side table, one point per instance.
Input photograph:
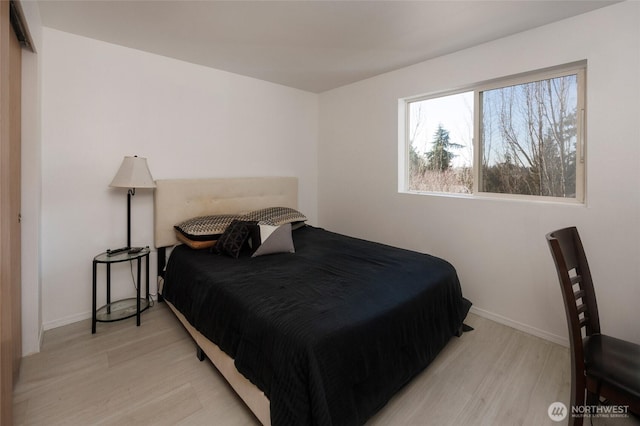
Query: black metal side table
{"points": [[126, 308]]}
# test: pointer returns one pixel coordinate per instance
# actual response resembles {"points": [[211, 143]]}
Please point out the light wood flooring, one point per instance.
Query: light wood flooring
{"points": [[149, 375]]}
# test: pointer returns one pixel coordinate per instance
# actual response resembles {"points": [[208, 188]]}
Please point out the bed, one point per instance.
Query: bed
{"points": [[322, 336]]}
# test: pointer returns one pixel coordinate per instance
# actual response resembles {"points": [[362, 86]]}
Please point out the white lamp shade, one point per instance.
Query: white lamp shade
{"points": [[133, 173]]}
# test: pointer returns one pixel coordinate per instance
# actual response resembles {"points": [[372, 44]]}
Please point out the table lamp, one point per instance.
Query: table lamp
{"points": [[133, 173]]}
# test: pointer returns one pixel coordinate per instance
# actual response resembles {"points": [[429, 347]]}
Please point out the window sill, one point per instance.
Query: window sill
{"points": [[502, 198]]}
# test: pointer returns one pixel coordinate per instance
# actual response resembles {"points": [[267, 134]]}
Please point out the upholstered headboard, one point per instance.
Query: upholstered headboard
{"points": [[177, 200]]}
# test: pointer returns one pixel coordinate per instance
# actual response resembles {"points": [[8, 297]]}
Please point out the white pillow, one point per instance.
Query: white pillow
{"points": [[274, 239]]}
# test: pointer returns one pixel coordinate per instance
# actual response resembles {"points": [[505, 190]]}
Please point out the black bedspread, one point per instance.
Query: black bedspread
{"points": [[328, 333]]}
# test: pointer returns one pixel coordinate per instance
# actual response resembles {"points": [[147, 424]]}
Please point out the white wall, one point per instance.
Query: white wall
{"points": [[31, 185], [101, 102], [498, 247]]}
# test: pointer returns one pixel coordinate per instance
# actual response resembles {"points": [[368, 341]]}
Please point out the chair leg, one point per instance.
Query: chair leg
{"points": [[577, 400], [574, 421]]}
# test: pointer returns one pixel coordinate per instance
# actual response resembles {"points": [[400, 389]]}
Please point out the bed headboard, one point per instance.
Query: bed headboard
{"points": [[177, 200]]}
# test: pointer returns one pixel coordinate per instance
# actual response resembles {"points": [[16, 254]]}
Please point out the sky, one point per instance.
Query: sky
{"points": [[454, 113]]}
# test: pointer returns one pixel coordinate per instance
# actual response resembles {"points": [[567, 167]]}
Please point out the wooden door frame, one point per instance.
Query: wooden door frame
{"points": [[10, 235]]}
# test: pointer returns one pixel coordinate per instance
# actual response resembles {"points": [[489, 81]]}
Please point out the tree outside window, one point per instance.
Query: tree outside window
{"points": [[528, 138]]}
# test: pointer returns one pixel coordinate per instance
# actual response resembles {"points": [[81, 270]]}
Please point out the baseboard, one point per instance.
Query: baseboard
{"points": [[66, 320], [40, 337], [30, 349], [74, 318], [520, 326]]}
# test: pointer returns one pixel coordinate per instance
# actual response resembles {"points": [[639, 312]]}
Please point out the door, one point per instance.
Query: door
{"points": [[10, 297]]}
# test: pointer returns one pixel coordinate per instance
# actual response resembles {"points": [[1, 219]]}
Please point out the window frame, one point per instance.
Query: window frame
{"points": [[577, 68]]}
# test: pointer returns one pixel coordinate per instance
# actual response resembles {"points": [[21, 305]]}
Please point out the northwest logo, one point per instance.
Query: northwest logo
{"points": [[557, 411]]}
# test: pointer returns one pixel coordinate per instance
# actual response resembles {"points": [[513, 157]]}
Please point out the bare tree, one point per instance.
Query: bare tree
{"points": [[534, 149]]}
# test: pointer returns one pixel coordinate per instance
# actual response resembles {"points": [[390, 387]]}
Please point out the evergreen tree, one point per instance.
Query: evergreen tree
{"points": [[440, 156], [417, 164]]}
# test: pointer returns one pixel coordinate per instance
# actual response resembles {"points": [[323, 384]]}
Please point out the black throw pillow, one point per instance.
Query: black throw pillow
{"points": [[234, 238]]}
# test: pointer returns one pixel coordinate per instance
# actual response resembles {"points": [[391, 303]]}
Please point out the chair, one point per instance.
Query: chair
{"points": [[601, 366]]}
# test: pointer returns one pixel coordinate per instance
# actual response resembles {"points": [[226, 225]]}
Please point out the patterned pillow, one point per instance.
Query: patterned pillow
{"points": [[276, 215], [206, 228], [234, 238]]}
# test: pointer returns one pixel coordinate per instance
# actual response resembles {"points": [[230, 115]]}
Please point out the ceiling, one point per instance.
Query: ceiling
{"points": [[309, 45]]}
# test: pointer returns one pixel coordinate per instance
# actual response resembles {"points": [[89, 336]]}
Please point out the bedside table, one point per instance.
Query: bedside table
{"points": [[125, 308]]}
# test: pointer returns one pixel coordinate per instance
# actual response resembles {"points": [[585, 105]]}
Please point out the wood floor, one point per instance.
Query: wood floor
{"points": [[149, 375]]}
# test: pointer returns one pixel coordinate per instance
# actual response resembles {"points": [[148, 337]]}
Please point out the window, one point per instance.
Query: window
{"points": [[518, 137]]}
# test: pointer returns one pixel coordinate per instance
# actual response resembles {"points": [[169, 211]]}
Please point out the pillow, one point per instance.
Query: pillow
{"points": [[276, 215], [272, 239], [233, 240], [205, 228], [297, 225], [196, 245]]}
